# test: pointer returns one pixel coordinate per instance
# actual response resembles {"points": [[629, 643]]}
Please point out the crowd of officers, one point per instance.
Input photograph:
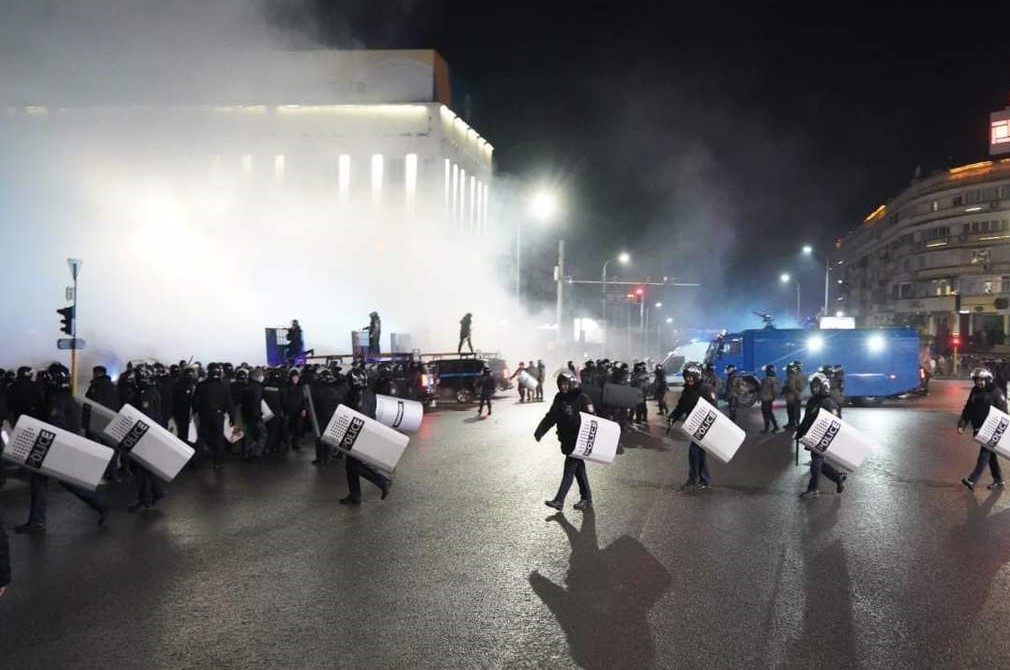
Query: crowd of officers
{"points": [[219, 410]]}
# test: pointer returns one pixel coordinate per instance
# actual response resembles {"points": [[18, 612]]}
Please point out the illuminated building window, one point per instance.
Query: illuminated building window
{"points": [[376, 178], [279, 168], [247, 164], [934, 206], [448, 171], [473, 190], [410, 179], [480, 204], [455, 192], [462, 197], [344, 176]]}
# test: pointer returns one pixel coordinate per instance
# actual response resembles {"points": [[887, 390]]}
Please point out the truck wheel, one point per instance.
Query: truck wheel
{"points": [[464, 396]]}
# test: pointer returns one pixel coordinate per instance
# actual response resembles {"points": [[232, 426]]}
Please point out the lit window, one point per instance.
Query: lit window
{"points": [[376, 177], [344, 176]]}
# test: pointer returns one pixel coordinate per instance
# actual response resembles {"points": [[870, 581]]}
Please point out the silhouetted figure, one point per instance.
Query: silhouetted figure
{"points": [[464, 332]]}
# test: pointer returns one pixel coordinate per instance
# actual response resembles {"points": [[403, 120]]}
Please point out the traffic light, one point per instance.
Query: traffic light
{"points": [[67, 319], [639, 295], [955, 341]]}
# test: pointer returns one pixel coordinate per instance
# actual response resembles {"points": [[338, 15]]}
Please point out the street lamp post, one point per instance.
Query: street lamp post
{"points": [[785, 279], [809, 251], [623, 258]]}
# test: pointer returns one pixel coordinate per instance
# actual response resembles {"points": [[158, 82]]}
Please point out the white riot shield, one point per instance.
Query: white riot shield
{"points": [[267, 412], [365, 439], [94, 416], [713, 431], [841, 444], [994, 434], [57, 453], [401, 413], [528, 381], [597, 440], [311, 406], [149, 444]]}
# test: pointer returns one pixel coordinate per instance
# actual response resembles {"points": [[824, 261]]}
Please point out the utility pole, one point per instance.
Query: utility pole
{"points": [[559, 277], [75, 268]]}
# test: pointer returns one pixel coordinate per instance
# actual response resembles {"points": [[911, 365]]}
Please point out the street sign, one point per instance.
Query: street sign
{"points": [[70, 343], [75, 266]]}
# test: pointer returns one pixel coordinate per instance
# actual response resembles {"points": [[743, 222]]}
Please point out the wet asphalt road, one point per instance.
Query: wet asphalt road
{"points": [[463, 566]]}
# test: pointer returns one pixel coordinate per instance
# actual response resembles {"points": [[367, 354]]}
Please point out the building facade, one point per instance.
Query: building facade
{"points": [[936, 257]]}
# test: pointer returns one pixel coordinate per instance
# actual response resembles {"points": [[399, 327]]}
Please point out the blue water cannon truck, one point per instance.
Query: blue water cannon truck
{"points": [[878, 362]]}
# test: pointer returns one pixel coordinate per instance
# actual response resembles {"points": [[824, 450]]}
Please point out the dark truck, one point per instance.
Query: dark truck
{"points": [[878, 362]]}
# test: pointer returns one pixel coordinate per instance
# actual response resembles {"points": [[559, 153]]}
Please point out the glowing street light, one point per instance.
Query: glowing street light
{"points": [[809, 251], [544, 205], [785, 278], [623, 258], [659, 305]]}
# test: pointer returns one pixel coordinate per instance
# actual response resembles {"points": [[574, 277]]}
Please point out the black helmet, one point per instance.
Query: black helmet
{"points": [[730, 368], [242, 375], [191, 372], [294, 372], [796, 365], [567, 377], [159, 370], [57, 376], [770, 370], [24, 372], [144, 376], [326, 376], [659, 367], [709, 367], [827, 370], [692, 372], [358, 378], [174, 370], [823, 380], [214, 371]]}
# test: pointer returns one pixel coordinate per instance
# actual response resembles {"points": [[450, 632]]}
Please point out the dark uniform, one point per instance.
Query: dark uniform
{"points": [[295, 409], [541, 373], [362, 400], [733, 383], [296, 344], [983, 395], [327, 395], [464, 332], [374, 332], [103, 391], [149, 489], [486, 387], [249, 396], [769, 392], [564, 413], [820, 399], [793, 392], [63, 412], [182, 402], [26, 397], [660, 389], [211, 401], [696, 460]]}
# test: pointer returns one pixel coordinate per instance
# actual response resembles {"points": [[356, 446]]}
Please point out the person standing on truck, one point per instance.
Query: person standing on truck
{"points": [[694, 388], [296, 344], [374, 329], [769, 391], [464, 332], [984, 394], [820, 399], [733, 382], [793, 392]]}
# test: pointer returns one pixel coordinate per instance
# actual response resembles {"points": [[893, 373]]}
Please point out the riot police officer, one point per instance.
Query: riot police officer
{"points": [[296, 344], [103, 391], [63, 412], [486, 386], [182, 402], [295, 409], [26, 397], [733, 383], [820, 399], [326, 396], [374, 329], [361, 399], [983, 395], [769, 391], [565, 414], [249, 395], [710, 378], [148, 401], [793, 392], [660, 389], [211, 402], [694, 388]]}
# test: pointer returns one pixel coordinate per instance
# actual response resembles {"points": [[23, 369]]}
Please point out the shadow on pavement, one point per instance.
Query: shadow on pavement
{"points": [[604, 609]]}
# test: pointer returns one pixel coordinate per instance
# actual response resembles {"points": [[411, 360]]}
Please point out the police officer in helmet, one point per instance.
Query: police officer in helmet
{"points": [[694, 388], [983, 395], [565, 414], [362, 399], [820, 400]]}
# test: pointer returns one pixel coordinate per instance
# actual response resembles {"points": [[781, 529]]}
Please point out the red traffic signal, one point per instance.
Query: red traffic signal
{"points": [[955, 341]]}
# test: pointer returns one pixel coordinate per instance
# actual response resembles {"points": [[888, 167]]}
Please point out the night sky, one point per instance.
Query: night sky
{"points": [[759, 127]]}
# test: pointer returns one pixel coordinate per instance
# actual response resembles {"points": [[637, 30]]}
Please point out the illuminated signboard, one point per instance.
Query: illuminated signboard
{"points": [[999, 133]]}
